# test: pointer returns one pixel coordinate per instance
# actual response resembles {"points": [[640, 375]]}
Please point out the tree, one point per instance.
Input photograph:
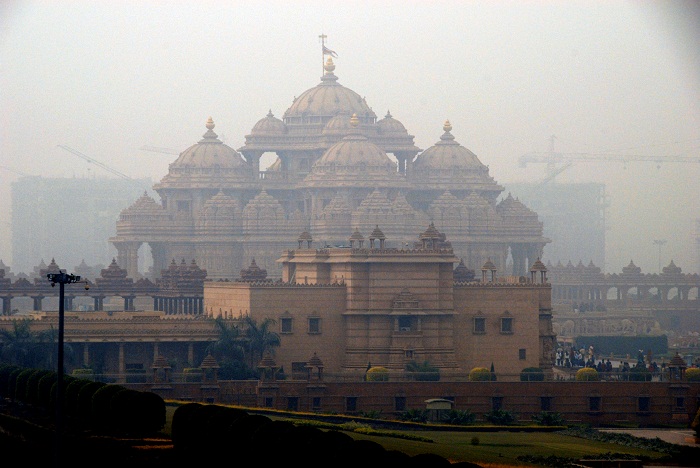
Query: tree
{"points": [[19, 344], [230, 344], [260, 339]]}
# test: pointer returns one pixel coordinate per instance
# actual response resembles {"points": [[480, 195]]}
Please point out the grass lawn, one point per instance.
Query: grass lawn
{"points": [[493, 450]]}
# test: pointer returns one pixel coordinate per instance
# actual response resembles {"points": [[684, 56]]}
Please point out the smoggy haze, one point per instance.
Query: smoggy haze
{"points": [[615, 77]]}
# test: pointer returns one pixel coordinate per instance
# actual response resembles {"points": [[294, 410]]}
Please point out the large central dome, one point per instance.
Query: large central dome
{"points": [[326, 100]]}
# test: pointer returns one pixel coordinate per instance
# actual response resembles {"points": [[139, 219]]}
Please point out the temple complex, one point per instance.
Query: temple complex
{"points": [[337, 167]]}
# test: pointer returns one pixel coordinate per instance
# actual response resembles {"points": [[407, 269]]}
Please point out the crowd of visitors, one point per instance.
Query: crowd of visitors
{"points": [[609, 369]]}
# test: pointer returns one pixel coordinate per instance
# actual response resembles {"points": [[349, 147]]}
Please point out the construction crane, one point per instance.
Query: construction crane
{"points": [[95, 162], [158, 149], [558, 162]]}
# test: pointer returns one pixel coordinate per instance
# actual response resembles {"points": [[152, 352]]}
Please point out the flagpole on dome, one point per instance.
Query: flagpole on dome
{"points": [[325, 51]]}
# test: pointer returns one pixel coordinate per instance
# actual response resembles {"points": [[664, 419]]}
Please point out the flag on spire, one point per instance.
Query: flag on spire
{"points": [[327, 51]]}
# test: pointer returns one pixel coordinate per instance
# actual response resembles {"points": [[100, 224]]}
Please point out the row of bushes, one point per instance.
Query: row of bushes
{"points": [[477, 374], [635, 374], [87, 405]]}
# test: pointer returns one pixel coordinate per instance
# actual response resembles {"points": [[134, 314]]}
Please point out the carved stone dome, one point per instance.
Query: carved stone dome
{"points": [[447, 154], [327, 99], [450, 166], [208, 163], [209, 152], [390, 126], [338, 125], [269, 125], [354, 160]]}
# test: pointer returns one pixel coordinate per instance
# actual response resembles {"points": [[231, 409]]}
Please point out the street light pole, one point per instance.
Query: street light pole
{"points": [[660, 242], [61, 278]]}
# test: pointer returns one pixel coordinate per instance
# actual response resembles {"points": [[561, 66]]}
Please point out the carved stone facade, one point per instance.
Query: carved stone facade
{"points": [[373, 304], [337, 168]]}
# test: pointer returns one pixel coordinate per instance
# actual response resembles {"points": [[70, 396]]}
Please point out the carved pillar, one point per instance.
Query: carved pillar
{"points": [[6, 305], [86, 355], [122, 363], [128, 257]]}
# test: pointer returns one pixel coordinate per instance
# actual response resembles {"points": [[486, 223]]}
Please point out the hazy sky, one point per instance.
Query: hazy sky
{"points": [[614, 77]]}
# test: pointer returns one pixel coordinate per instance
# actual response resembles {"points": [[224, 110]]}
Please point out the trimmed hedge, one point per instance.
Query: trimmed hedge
{"points": [[623, 345], [587, 374], [377, 374], [481, 374]]}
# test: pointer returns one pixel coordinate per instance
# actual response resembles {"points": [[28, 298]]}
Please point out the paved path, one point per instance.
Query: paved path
{"points": [[674, 436]]}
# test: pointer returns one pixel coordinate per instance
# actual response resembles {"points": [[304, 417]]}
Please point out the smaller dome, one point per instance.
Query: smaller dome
{"points": [[209, 152], [488, 266], [269, 125], [338, 125], [390, 126], [447, 154]]}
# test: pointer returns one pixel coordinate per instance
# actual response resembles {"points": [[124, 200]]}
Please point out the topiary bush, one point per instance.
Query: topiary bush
{"points": [[500, 417], [640, 374], [549, 418], [377, 374], [692, 374], [459, 417], [532, 374], [414, 415], [695, 425], [587, 374], [481, 374]]}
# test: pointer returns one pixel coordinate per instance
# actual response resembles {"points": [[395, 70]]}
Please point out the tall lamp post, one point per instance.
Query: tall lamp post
{"points": [[660, 243], [61, 278]]}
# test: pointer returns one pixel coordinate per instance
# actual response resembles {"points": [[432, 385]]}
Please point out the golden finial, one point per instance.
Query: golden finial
{"points": [[329, 66], [210, 123], [354, 121], [447, 126]]}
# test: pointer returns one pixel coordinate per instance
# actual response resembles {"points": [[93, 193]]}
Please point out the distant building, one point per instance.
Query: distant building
{"points": [[573, 216], [69, 219], [368, 303]]}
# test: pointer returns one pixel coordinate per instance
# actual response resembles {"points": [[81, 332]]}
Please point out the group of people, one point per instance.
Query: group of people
{"points": [[570, 357]]}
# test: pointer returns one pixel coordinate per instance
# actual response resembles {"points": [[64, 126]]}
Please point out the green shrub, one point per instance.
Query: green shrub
{"points": [[5, 372], [640, 374], [103, 412], [377, 374], [500, 417], [692, 374], [31, 393], [414, 415], [549, 418], [459, 417], [83, 373], [695, 425], [44, 389], [532, 374], [475, 441], [21, 385], [587, 374], [481, 374]]}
